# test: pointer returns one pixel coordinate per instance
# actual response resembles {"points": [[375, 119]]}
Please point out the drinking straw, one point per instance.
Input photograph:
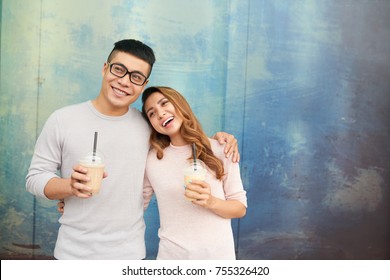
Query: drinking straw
{"points": [[194, 155], [94, 146]]}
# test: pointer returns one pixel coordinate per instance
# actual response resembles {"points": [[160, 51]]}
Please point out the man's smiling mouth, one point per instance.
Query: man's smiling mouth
{"points": [[120, 92]]}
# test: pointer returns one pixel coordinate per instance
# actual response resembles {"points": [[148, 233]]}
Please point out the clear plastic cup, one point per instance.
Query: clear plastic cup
{"points": [[94, 162], [193, 172]]}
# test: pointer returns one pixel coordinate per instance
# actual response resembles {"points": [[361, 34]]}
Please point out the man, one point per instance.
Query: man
{"points": [[109, 225]]}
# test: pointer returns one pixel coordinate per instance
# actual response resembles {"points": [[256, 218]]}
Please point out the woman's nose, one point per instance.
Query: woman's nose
{"points": [[161, 114]]}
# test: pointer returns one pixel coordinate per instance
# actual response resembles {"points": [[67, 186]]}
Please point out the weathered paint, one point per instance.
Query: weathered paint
{"points": [[304, 86]]}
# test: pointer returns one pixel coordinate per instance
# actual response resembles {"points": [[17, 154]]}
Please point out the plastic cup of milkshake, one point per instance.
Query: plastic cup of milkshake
{"points": [[194, 171], [94, 163]]}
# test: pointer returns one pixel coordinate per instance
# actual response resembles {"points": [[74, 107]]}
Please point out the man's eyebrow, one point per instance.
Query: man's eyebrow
{"points": [[133, 71]]}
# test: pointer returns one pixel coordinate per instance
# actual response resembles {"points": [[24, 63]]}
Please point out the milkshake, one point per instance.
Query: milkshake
{"points": [[94, 163], [194, 172]]}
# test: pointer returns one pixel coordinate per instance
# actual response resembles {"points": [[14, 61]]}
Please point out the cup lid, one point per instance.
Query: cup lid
{"points": [[93, 158]]}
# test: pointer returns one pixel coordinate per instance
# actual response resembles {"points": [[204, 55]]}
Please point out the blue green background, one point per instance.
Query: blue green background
{"points": [[304, 86]]}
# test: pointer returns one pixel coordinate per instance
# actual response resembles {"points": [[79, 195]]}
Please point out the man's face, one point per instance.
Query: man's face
{"points": [[118, 93]]}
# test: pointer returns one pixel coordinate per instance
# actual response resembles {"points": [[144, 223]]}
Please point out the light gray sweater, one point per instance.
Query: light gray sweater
{"points": [[109, 225]]}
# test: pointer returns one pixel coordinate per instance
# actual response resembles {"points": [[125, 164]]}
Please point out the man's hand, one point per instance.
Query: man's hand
{"points": [[78, 182], [231, 145]]}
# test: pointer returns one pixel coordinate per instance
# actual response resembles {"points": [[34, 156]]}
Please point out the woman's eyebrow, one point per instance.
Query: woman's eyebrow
{"points": [[158, 102]]}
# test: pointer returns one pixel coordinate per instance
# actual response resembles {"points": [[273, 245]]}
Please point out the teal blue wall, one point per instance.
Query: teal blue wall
{"points": [[304, 85]]}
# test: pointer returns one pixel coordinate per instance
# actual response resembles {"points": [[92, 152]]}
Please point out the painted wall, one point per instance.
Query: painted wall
{"points": [[304, 85]]}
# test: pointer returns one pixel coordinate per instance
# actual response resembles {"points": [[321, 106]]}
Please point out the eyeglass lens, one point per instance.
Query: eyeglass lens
{"points": [[121, 71]]}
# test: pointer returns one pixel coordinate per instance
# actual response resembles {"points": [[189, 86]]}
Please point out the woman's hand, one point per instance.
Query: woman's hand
{"points": [[61, 206], [199, 193]]}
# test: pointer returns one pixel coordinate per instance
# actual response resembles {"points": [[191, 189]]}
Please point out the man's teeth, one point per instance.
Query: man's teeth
{"points": [[120, 92], [167, 121]]}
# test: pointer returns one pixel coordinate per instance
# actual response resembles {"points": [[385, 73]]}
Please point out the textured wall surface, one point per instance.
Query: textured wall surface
{"points": [[304, 85]]}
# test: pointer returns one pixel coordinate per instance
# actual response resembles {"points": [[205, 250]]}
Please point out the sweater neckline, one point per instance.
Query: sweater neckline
{"points": [[179, 148], [97, 113]]}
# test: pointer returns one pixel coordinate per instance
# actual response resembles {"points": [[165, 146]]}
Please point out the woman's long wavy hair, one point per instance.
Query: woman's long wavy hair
{"points": [[191, 130]]}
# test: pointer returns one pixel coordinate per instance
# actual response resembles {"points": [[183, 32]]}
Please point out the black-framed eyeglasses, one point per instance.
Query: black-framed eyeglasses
{"points": [[120, 71]]}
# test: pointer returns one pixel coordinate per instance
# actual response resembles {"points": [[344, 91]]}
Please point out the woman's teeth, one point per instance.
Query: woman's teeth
{"points": [[167, 121]]}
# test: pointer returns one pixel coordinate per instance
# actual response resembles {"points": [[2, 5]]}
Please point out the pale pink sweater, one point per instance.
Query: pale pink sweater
{"points": [[188, 231]]}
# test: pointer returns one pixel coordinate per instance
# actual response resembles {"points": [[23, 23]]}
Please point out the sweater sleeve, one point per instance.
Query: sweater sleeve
{"points": [[232, 183], [46, 159], [147, 191]]}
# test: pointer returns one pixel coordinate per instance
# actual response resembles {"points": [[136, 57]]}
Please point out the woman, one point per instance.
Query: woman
{"points": [[200, 229]]}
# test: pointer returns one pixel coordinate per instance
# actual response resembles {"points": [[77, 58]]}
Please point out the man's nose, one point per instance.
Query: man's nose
{"points": [[125, 80]]}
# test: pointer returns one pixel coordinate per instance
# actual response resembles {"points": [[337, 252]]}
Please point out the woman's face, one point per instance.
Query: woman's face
{"points": [[163, 117]]}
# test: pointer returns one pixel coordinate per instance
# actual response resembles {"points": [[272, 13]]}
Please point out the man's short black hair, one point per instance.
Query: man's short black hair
{"points": [[136, 48]]}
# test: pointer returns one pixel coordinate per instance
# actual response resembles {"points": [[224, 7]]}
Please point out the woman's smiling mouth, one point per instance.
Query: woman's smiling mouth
{"points": [[167, 121]]}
